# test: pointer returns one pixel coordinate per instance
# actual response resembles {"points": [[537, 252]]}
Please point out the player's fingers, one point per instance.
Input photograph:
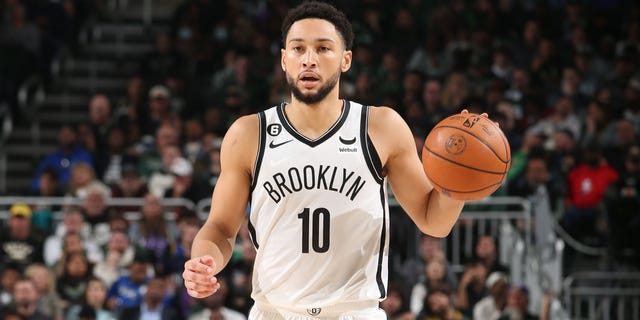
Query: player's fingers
{"points": [[203, 286], [196, 265], [208, 260], [198, 277], [202, 293], [464, 111], [484, 114]]}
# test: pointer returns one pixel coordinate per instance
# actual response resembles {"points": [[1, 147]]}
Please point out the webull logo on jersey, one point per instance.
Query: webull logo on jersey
{"points": [[322, 177], [347, 150]]}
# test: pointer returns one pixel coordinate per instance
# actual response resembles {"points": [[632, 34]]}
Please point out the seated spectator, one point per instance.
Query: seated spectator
{"points": [[95, 299], [110, 162], [119, 254], [471, 288], [161, 180], [83, 177], [435, 279], [188, 225], [72, 222], [487, 253], [21, 245], [396, 305], [153, 233], [97, 213], [10, 274], [130, 185], [492, 307], [152, 305], [413, 269], [438, 306], [69, 153], [185, 185], [622, 203], [587, 183], [537, 180], [72, 283], [518, 304], [128, 291], [44, 280], [25, 300]]}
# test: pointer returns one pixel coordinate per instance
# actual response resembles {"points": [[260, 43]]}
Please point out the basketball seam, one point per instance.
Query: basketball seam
{"points": [[458, 191], [479, 139], [462, 164]]}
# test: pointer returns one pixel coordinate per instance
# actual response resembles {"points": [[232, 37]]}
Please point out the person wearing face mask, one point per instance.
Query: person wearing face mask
{"points": [[622, 203]]}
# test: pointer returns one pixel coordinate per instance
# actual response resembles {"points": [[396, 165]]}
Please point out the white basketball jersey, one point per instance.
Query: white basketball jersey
{"points": [[319, 214]]}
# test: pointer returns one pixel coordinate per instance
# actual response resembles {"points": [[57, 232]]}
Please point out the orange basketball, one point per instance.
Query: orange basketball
{"points": [[466, 156]]}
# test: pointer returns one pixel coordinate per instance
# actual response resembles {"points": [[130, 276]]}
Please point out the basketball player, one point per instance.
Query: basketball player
{"points": [[315, 173]]}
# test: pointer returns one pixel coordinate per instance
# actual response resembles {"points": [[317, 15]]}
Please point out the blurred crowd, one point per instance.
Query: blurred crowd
{"points": [[562, 78]]}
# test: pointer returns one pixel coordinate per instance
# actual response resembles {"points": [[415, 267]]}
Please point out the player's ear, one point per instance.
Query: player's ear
{"points": [[282, 64], [346, 60]]}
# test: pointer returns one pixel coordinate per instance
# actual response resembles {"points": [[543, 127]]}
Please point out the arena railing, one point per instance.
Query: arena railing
{"points": [[602, 295], [6, 202], [6, 126]]}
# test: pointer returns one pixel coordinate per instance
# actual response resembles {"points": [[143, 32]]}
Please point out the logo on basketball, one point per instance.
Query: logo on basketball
{"points": [[471, 121], [455, 144], [314, 311]]}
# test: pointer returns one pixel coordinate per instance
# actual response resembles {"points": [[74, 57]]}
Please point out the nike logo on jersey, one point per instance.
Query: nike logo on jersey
{"points": [[274, 145], [350, 141]]}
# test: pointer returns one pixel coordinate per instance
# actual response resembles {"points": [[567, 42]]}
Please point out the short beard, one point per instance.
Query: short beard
{"points": [[312, 98]]}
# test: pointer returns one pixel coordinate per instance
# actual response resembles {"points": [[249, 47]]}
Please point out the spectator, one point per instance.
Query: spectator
{"points": [[94, 299], [152, 159], [72, 283], [153, 233], [472, 287], [587, 183], [438, 306], [487, 253], [160, 112], [130, 185], [83, 178], [193, 148], [49, 303], [185, 185], [396, 304], [10, 274], [68, 153], [25, 300], [110, 159], [97, 212], [622, 203], [214, 306], [128, 290], [100, 120], [119, 254], [129, 110], [21, 245], [151, 306], [72, 222], [492, 307], [518, 304], [537, 180], [435, 279]]}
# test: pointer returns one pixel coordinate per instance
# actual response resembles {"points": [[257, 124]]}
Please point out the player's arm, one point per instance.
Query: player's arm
{"points": [[217, 236], [434, 213]]}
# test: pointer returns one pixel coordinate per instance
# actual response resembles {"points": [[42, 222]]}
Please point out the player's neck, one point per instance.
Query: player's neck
{"points": [[313, 120]]}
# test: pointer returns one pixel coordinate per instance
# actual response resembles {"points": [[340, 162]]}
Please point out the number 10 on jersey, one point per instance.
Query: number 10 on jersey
{"points": [[319, 224]]}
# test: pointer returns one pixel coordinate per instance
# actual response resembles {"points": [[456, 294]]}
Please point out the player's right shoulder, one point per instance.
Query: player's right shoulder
{"points": [[242, 138]]}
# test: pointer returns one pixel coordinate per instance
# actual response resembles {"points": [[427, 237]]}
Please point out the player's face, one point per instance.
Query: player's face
{"points": [[313, 59]]}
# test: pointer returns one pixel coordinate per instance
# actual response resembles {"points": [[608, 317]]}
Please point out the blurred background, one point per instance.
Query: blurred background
{"points": [[112, 113]]}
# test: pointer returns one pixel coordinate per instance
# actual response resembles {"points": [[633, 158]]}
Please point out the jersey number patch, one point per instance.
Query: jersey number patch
{"points": [[320, 220]]}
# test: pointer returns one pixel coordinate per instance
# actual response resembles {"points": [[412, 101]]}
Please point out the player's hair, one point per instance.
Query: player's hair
{"points": [[319, 10]]}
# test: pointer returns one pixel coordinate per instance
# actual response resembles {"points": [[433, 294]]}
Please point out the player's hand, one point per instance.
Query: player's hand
{"points": [[199, 278], [484, 114]]}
